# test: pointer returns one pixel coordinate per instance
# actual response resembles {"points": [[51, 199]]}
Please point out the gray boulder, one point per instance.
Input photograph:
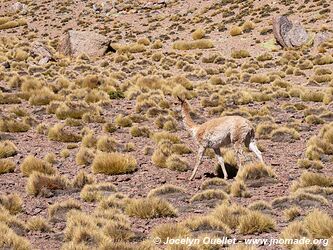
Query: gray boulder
{"points": [[78, 42]]}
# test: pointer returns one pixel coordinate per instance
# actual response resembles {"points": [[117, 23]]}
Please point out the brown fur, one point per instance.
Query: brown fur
{"points": [[220, 132]]}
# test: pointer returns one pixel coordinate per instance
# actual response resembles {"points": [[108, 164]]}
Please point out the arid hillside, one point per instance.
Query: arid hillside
{"points": [[94, 153]]}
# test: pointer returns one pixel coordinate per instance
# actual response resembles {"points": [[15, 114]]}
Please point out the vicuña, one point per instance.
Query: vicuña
{"points": [[220, 132]]}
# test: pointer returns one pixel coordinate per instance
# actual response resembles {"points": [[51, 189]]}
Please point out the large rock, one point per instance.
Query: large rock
{"points": [[287, 34], [78, 42]]}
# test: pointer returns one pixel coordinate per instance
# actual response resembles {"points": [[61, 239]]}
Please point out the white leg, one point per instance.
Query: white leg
{"points": [[221, 162], [199, 159], [255, 150]]}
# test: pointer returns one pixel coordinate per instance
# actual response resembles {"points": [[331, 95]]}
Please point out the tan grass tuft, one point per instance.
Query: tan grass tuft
{"points": [[113, 163]]}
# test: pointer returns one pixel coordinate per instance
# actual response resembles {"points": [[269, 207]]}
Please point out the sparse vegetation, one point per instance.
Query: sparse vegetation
{"points": [[96, 152]]}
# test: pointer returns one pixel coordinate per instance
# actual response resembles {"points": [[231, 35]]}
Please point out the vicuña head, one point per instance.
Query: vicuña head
{"points": [[220, 132]]}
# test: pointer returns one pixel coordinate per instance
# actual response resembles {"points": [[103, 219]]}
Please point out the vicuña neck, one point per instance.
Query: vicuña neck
{"points": [[188, 122]]}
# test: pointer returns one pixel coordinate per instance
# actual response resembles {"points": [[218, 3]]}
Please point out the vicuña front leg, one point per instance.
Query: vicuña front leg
{"points": [[199, 160], [221, 162]]}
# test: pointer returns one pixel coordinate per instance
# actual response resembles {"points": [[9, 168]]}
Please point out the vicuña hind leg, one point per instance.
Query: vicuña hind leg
{"points": [[199, 160], [239, 154], [253, 147], [221, 162]]}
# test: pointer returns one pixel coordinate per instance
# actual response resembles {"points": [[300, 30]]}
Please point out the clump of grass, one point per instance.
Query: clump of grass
{"points": [[82, 179], [259, 206], [291, 213], [198, 34], [64, 153], [238, 189], [247, 26], [235, 31], [255, 171], [106, 144], [210, 194], [84, 156], [7, 149], [113, 163], [295, 230], [60, 133], [265, 57], [10, 240], [12, 202], [13, 126], [196, 44], [170, 230], [313, 119], [308, 179], [32, 164], [240, 54], [175, 162], [284, 134], [94, 192], [260, 78], [13, 24], [215, 183], [319, 224], [39, 183], [165, 189], [159, 136], [116, 94], [58, 211], [148, 208], [306, 163], [255, 222], [265, 129], [123, 121], [6, 166], [312, 96], [206, 223], [140, 131], [38, 223], [229, 214], [74, 110]]}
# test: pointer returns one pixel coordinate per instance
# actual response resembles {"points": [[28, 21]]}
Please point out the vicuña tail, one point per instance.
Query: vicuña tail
{"points": [[188, 122]]}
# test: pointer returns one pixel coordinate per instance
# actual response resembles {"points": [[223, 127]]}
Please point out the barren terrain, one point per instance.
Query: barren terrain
{"points": [[93, 150]]}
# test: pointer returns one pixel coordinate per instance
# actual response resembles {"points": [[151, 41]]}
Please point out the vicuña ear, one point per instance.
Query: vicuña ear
{"points": [[180, 99]]}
